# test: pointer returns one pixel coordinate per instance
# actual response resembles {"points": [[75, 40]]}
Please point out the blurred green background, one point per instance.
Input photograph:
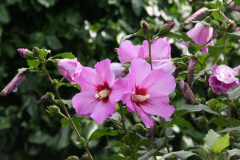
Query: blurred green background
{"points": [[90, 29]]}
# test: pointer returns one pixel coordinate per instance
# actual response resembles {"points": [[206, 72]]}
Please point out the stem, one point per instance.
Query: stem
{"points": [[164, 132], [206, 121], [229, 121], [149, 46], [224, 48], [123, 120], [222, 117], [224, 16], [65, 109]]}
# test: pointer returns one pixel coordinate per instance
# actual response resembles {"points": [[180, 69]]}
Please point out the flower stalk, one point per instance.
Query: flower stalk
{"points": [[65, 109]]}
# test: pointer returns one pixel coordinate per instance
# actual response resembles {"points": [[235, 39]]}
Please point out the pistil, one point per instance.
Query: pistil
{"points": [[140, 98], [103, 94]]}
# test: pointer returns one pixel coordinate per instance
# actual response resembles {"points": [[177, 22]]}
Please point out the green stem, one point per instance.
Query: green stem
{"points": [[222, 117], [164, 132], [224, 16], [224, 47], [123, 120], [65, 109], [149, 46], [206, 121]]}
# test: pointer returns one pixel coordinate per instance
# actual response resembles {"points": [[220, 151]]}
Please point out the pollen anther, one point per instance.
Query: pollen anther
{"points": [[140, 98], [102, 94]]}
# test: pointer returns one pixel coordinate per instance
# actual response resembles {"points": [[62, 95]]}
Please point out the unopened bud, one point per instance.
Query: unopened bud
{"points": [[43, 99], [234, 8], [230, 26], [166, 28], [35, 51], [215, 24], [196, 120], [116, 49], [187, 92], [204, 152], [139, 128], [199, 14], [145, 26], [125, 150], [213, 104], [200, 121], [118, 69], [227, 154], [191, 68], [12, 86], [22, 51]]}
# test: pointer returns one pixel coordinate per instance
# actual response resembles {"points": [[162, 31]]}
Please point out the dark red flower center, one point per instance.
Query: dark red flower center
{"points": [[103, 92], [140, 96]]}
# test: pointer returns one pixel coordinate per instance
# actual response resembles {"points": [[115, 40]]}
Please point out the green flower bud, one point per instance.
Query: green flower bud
{"points": [[139, 128], [146, 27], [204, 152], [166, 28], [215, 24], [213, 104], [35, 52], [125, 150]]}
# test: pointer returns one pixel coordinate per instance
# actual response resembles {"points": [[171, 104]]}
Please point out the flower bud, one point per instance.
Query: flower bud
{"points": [[147, 28], [207, 19], [187, 92], [35, 51], [12, 86], [22, 51], [191, 68], [166, 28], [204, 152], [213, 104], [196, 120], [139, 128], [118, 69], [230, 26], [234, 8], [116, 49], [125, 150], [200, 121], [199, 14], [215, 24]]}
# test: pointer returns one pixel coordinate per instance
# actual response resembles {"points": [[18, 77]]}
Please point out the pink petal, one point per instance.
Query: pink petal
{"points": [[104, 71], [102, 111], [158, 82], [194, 33], [160, 49], [85, 102], [119, 88], [127, 51], [166, 64], [89, 79], [127, 100], [147, 120], [158, 106], [138, 71], [205, 35]]}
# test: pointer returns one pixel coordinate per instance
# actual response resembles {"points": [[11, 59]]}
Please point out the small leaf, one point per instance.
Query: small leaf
{"points": [[39, 137], [148, 154], [217, 16], [33, 63], [4, 123], [233, 95], [221, 144], [202, 72], [196, 108], [210, 138], [68, 55], [67, 102], [4, 15], [219, 122], [54, 42], [103, 132], [226, 130], [186, 38], [72, 158], [182, 155], [234, 152], [181, 122], [68, 85], [216, 52]]}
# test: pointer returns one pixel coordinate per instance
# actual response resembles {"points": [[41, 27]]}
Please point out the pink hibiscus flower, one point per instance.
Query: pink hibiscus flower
{"points": [[99, 92], [148, 92], [160, 51]]}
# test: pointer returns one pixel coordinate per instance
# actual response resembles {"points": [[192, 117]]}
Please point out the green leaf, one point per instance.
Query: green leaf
{"points": [[196, 108], [226, 130], [33, 63], [182, 155], [233, 95], [118, 157], [140, 33], [139, 140], [39, 137], [68, 55], [54, 111], [216, 52], [203, 58], [181, 122], [202, 72], [186, 38], [76, 120], [53, 42], [64, 122], [68, 85], [4, 15], [234, 152], [210, 138], [217, 16], [221, 144], [103, 132], [219, 122], [159, 142], [5, 123], [63, 102], [148, 154], [137, 6]]}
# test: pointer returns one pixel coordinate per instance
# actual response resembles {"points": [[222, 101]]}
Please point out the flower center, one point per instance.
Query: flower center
{"points": [[103, 94], [140, 98]]}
